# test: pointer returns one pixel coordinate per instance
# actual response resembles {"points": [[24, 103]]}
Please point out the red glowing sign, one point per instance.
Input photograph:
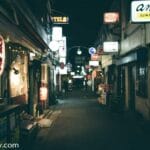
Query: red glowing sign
{"points": [[43, 93], [2, 54], [111, 17]]}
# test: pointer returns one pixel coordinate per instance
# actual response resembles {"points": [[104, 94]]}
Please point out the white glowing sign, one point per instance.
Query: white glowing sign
{"points": [[94, 63], [54, 46], [56, 33], [110, 46], [43, 93], [2, 54], [60, 19], [140, 11]]}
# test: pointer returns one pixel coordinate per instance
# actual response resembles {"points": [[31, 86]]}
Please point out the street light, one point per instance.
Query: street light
{"points": [[79, 52]]}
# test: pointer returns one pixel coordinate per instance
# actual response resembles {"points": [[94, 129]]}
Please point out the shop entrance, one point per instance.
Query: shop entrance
{"points": [[132, 74]]}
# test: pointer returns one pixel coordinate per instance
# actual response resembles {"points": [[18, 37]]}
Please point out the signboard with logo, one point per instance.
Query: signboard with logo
{"points": [[92, 50], [57, 33], [2, 54], [140, 11], [60, 19], [110, 47], [111, 17]]}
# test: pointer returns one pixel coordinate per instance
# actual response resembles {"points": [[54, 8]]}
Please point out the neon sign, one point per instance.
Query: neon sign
{"points": [[2, 54], [60, 19], [111, 17]]}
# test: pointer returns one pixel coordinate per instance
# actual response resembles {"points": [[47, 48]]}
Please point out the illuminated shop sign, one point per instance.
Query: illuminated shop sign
{"points": [[110, 47], [111, 17], [140, 11], [2, 54], [43, 93], [94, 63], [95, 57], [57, 33], [60, 19]]}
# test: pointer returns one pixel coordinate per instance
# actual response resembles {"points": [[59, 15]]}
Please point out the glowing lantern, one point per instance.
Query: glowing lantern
{"points": [[43, 93]]}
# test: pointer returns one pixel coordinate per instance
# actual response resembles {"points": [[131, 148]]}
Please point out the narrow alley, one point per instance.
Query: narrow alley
{"points": [[74, 75], [82, 123]]}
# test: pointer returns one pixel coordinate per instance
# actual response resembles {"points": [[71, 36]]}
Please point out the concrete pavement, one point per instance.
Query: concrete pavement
{"points": [[79, 122]]}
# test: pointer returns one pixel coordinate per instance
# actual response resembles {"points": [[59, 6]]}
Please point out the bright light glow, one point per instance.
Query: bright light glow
{"points": [[63, 71], [79, 52], [32, 55], [94, 63], [110, 46], [43, 93], [70, 81], [72, 73], [57, 33], [54, 45], [111, 17], [78, 77], [63, 60], [14, 79]]}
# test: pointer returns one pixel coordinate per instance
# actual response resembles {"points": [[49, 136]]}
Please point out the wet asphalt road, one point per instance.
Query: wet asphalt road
{"points": [[84, 124]]}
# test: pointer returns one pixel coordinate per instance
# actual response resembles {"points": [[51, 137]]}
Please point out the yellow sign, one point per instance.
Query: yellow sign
{"points": [[60, 19], [144, 16], [140, 11]]}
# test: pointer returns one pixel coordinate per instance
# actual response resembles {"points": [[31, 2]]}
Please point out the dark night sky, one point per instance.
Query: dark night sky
{"points": [[86, 17]]}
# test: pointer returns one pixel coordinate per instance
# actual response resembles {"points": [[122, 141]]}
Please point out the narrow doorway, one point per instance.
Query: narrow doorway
{"points": [[121, 86], [132, 74]]}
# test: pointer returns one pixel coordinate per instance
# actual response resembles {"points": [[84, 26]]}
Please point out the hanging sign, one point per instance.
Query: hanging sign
{"points": [[111, 17], [60, 19], [2, 54], [140, 11], [110, 46]]}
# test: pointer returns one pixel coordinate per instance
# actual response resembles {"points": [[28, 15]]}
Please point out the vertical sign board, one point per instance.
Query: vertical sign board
{"points": [[62, 47], [56, 33], [140, 11], [2, 54]]}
